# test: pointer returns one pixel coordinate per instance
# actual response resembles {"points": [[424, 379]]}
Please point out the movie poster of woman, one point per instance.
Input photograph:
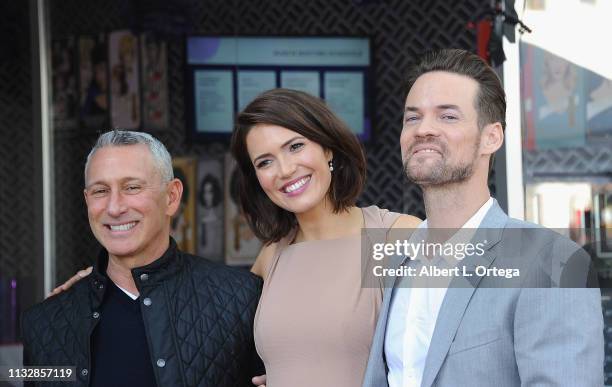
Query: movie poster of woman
{"points": [[93, 80], [241, 245], [183, 225], [64, 78], [598, 107], [125, 84], [210, 208], [559, 102], [155, 82]]}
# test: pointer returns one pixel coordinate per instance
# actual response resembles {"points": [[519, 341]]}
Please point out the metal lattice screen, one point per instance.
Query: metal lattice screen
{"points": [[399, 30], [583, 162], [16, 141]]}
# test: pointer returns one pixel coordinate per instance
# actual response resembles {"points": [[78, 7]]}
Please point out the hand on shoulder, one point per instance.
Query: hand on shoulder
{"points": [[74, 279]]}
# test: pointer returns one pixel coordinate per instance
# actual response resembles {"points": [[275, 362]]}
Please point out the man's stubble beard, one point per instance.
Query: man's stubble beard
{"points": [[442, 174]]}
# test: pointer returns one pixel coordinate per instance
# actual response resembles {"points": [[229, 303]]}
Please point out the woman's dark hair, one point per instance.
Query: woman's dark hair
{"points": [[310, 117]]}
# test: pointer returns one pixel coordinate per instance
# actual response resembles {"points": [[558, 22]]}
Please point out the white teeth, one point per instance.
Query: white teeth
{"points": [[427, 151], [298, 184], [122, 227]]}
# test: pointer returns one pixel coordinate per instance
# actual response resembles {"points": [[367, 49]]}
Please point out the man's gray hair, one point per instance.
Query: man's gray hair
{"points": [[117, 137]]}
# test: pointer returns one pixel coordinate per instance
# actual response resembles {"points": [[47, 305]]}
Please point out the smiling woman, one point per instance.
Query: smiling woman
{"points": [[292, 170], [301, 171], [280, 129]]}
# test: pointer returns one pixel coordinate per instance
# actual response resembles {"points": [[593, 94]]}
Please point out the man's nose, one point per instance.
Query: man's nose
{"points": [[116, 204], [424, 130], [427, 127]]}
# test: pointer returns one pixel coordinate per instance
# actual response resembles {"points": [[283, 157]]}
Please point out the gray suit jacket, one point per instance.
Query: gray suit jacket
{"points": [[491, 334]]}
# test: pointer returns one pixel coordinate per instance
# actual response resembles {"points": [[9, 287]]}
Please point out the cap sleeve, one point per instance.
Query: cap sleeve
{"points": [[379, 217]]}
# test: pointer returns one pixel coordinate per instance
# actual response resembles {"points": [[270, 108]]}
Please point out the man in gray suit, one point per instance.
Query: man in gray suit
{"points": [[479, 330]]}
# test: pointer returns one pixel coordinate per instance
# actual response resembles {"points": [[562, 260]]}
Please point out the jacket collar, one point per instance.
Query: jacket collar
{"points": [[460, 292], [160, 269]]}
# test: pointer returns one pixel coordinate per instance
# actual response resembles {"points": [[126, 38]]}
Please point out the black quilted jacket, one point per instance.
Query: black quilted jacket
{"points": [[199, 322]]}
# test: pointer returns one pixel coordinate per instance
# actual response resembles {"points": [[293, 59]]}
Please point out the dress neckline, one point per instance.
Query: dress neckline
{"points": [[291, 236]]}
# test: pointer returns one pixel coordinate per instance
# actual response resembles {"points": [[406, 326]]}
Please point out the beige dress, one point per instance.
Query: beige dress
{"points": [[315, 322]]}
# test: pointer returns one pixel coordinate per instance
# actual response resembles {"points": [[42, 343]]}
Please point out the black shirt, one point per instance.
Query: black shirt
{"points": [[120, 355]]}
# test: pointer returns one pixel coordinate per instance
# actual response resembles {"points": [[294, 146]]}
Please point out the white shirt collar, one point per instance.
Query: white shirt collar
{"points": [[130, 294], [468, 229], [476, 219]]}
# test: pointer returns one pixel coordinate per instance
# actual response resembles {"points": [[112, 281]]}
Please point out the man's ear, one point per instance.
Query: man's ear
{"points": [[491, 138], [174, 193], [85, 194]]}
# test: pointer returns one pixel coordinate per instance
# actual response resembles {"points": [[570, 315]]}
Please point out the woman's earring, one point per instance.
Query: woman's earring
{"points": [[331, 165]]}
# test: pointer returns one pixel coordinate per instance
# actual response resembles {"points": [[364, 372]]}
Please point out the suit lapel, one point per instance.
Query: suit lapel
{"points": [[460, 292], [453, 307]]}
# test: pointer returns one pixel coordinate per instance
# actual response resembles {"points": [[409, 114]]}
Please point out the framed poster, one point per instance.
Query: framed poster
{"points": [[241, 245], [154, 56], [214, 100], [602, 205], [125, 83], [553, 100], [598, 107], [225, 73], [183, 225], [344, 94], [93, 81], [210, 208], [306, 81], [253, 83], [64, 78]]}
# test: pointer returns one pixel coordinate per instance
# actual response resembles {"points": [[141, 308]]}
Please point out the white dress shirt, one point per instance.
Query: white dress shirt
{"points": [[414, 310]]}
